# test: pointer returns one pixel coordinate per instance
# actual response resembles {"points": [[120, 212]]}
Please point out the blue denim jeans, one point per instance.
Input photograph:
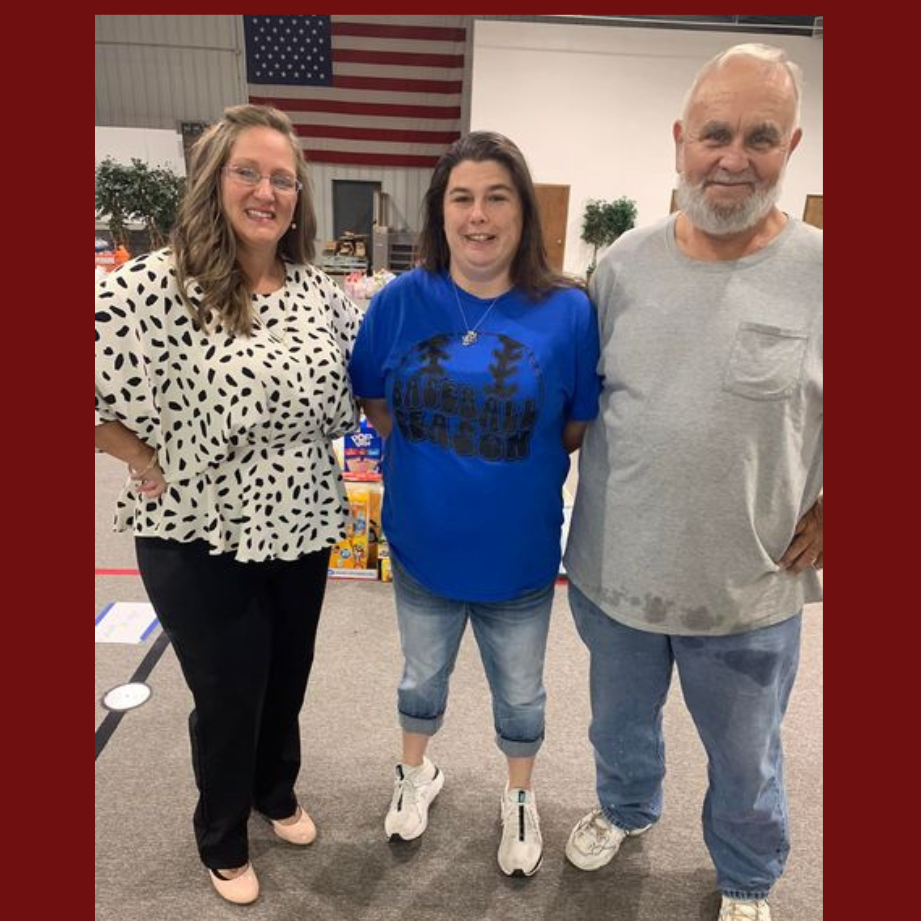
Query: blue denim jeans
{"points": [[736, 689], [512, 637]]}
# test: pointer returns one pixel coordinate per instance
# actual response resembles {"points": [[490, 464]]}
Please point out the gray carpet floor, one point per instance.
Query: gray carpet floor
{"points": [[146, 864]]}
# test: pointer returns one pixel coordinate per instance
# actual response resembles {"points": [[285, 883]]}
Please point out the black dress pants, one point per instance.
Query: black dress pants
{"points": [[244, 635]]}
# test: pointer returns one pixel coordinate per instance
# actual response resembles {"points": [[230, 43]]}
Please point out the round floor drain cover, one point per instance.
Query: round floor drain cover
{"points": [[126, 696]]}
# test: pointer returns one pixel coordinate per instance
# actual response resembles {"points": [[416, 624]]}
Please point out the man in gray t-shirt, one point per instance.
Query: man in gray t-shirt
{"points": [[697, 529]]}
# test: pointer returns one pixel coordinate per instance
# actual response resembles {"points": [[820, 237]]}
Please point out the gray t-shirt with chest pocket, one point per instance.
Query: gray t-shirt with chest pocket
{"points": [[708, 446]]}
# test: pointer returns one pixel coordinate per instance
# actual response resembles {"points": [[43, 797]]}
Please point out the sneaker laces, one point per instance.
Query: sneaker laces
{"points": [[521, 815], [597, 827], [404, 789], [743, 910]]}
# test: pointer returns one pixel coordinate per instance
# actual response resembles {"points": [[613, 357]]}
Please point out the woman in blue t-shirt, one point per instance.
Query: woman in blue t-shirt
{"points": [[478, 367]]}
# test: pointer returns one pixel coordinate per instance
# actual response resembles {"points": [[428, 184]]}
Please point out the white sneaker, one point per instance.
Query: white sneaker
{"points": [[522, 847], [744, 910], [594, 841], [413, 791]]}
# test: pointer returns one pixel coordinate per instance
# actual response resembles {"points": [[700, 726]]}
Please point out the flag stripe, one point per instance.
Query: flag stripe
{"points": [[398, 46], [395, 71], [382, 84], [388, 19], [360, 96], [357, 108], [376, 30], [366, 147], [406, 59], [376, 134], [350, 158], [389, 123]]}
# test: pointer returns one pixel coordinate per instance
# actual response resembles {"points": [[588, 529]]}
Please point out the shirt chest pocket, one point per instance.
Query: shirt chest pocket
{"points": [[766, 362]]}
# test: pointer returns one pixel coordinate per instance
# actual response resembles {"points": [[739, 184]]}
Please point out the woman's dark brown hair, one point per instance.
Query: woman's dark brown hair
{"points": [[530, 271]]}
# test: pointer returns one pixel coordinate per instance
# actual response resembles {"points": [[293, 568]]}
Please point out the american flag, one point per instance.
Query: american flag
{"points": [[364, 90]]}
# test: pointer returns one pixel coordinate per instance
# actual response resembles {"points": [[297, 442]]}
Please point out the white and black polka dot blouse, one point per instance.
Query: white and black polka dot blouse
{"points": [[243, 425]]}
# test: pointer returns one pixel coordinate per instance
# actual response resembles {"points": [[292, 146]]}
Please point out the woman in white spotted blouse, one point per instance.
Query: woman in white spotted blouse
{"points": [[221, 381]]}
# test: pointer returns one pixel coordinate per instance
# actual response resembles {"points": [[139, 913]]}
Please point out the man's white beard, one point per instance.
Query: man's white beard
{"points": [[721, 221]]}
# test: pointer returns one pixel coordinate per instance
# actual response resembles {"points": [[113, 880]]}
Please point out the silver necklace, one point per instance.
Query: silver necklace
{"points": [[471, 335]]}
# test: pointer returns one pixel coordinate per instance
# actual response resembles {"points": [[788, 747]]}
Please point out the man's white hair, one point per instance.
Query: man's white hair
{"points": [[769, 54]]}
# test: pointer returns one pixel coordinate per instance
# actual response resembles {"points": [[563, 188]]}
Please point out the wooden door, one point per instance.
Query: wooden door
{"points": [[813, 213], [553, 203]]}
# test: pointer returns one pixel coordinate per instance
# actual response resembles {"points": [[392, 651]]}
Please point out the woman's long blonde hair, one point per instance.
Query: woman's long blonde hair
{"points": [[203, 243]]}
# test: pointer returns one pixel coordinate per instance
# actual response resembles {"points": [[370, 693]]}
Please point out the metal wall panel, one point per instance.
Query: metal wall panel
{"points": [[406, 188], [158, 71], [187, 31]]}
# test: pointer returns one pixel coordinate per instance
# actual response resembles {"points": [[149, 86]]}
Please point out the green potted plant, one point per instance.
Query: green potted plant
{"points": [[113, 198], [140, 193], [604, 221]]}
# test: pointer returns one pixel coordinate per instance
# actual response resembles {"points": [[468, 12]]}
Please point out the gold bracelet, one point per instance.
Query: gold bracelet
{"points": [[139, 474]]}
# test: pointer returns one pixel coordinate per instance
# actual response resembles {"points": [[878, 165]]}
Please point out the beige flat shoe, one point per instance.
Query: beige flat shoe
{"points": [[241, 890], [303, 831]]}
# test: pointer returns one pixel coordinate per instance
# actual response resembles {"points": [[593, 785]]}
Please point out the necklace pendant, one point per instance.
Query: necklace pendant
{"points": [[469, 337]]}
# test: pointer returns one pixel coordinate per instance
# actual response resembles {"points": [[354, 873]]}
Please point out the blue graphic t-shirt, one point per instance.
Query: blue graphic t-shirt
{"points": [[475, 464]]}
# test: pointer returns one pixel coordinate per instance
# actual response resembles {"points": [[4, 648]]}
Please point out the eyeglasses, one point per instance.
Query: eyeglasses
{"points": [[250, 177]]}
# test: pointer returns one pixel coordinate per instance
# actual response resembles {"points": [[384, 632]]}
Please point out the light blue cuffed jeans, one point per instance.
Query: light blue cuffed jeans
{"points": [[736, 688], [512, 637]]}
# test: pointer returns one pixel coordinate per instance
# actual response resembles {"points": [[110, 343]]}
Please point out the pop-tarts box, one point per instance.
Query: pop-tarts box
{"points": [[363, 453], [356, 555]]}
